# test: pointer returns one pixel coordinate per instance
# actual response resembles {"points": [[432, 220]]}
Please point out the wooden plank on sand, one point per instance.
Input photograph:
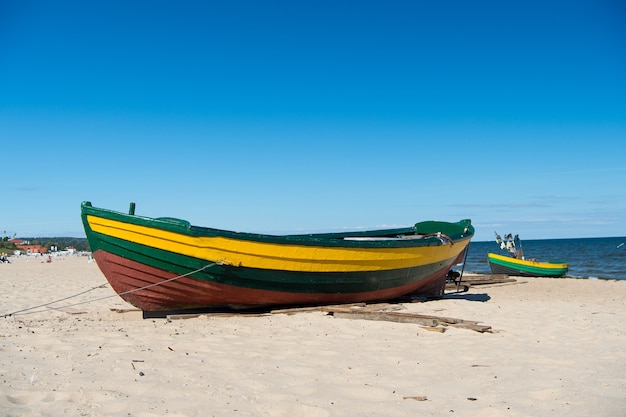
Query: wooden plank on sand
{"points": [[486, 279], [294, 310], [423, 319], [385, 316]]}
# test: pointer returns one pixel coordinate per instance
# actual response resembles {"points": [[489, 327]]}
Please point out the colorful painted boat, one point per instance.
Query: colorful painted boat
{"points": [[161, 264], [501, 264]]}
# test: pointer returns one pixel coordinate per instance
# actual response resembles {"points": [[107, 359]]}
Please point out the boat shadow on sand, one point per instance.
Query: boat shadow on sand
{"points": [[256, 311], [391, 310], [468, 297]]}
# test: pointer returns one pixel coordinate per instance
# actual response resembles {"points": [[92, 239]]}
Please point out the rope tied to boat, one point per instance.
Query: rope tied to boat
{"points": [[28, 310]]}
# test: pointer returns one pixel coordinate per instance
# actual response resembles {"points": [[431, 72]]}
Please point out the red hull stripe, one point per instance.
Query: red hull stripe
{"points": [[126, 276]]}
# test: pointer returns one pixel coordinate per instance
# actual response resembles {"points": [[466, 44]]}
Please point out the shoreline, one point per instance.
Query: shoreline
{"points": [[556, 348]]}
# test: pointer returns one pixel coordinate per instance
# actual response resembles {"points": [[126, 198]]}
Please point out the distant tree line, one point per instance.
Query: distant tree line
{"points": [[7, 246], [78, 243]]}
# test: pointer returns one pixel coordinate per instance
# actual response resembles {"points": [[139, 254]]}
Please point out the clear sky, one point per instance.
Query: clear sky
{"points": [[302, 116]]}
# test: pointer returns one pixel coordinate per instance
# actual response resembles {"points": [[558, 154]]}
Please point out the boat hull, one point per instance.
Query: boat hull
{"points": [[500, 264], [167, 264]]}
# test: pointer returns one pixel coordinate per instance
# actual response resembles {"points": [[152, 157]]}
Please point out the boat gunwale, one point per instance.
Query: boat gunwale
{"points": [[463, 231]]}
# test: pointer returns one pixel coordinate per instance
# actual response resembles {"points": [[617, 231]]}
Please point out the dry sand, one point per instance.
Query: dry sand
{"points": [[558, 349]]}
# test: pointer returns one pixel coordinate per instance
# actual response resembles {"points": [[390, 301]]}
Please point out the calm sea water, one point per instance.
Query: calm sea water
{"points": [[588, 258]]}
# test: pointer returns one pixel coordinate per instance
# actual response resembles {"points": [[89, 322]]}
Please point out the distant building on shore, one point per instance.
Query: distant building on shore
{"points": [[25, 248], [32, 249]]}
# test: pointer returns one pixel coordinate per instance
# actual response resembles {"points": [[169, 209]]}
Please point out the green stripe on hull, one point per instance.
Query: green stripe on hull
{"points": [[274, 280]]}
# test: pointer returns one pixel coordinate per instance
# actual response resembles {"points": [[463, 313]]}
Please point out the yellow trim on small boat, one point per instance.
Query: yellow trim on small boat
{"points": [[276, 256]]}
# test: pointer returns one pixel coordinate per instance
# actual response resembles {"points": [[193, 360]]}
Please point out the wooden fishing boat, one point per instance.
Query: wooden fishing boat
{"points": [[501, 264], [165, 263]]}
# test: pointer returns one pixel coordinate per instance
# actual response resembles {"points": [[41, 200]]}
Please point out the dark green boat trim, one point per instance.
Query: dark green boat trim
{"points": [[455, 231]]}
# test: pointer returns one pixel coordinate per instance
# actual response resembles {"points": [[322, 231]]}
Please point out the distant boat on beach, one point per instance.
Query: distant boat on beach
{"points": [[166, 263], [516, 264]]}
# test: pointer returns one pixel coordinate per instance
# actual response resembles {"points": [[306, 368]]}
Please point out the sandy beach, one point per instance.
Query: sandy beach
{"points": [[557, 347]]}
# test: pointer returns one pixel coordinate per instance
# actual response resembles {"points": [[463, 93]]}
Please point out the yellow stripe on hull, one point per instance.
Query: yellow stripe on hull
{"points": [[285, 257]]}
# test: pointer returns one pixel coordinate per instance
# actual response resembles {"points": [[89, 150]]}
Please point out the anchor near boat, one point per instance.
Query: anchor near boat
{"points": [[514, 263], [166, 263]]}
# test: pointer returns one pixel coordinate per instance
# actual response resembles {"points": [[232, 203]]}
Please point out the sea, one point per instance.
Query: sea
{"points": [[593, 258]]}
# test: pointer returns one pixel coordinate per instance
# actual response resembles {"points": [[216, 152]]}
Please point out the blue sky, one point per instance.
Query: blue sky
{"points": [[298, 116]]}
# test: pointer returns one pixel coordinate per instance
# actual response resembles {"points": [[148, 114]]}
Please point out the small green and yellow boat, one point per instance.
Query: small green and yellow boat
{"points": [[516, 264], [501, 264], [165, 263]]}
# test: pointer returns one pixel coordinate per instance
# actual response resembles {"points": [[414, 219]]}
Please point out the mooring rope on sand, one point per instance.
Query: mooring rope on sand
{"points": [[26, 311]]}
